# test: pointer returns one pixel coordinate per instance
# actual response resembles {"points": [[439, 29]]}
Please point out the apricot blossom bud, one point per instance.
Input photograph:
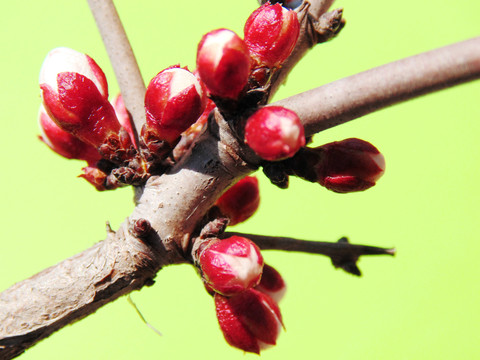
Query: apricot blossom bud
{"points": [[223, 63], [350, 165], [274, 133], [240, 201], [272, 283], [64, 143], [174, 100], [271, 33], [341, 166], [250, 321], [75, 95], [231, 265]]}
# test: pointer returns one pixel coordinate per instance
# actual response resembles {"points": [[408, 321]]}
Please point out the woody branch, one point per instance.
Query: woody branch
{"points": [[129, 258]]}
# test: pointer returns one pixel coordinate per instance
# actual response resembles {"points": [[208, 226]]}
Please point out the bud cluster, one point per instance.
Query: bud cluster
{"points": [[77, 121], [225, 62], [233, 75], [245, 290]]}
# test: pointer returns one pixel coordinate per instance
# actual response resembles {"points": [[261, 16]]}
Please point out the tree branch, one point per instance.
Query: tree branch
{"points": [[174, 204], [122, 58], [36, 307], [352, 97], [128, 259], [343, 254]]}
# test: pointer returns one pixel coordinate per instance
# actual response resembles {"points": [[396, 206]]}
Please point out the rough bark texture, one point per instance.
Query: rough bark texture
{"points": [[76, 287]]}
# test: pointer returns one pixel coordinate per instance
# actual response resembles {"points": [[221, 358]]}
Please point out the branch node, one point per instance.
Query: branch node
{"points": [[141, 228], [327, 26]]}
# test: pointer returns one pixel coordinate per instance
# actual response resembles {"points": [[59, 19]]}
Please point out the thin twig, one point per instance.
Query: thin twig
{"points": [[122, 58], [352, 97], [318, 8], [343, 254]]}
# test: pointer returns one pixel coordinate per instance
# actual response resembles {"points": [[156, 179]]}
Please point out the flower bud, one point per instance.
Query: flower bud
{"points": [[341, 166], [240, 201], [231, 265], [274, 133], [272, 283], [174, 100], [64, 143], [350, 165], [250, 321], [75, 95], [223, 63], [271, 33]]}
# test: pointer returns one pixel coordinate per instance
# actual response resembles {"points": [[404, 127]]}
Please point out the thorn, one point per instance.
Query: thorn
{"points": [[108, 228], [343, 239]]}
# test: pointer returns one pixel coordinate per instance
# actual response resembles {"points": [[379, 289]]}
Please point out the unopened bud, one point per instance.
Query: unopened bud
{"points": [[75, 95], [274, 133], [173, 102], [223, 63], [350, 165], [231, 265], [64, 143], [341, 166], [250, 321], [272, 283], [271, 33], [240, 201]]}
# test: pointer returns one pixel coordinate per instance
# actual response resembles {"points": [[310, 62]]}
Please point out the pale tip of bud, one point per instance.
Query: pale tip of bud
{"points": [[64, 59]]}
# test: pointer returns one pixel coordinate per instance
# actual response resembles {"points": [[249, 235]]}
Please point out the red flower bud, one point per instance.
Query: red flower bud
{"points": [[223, 63], [341, 166], [231, 265], [240, 201], [174, 100], [64, 143], [272, 283], [250, 321], [122, 115], [271, 33], [274, 133], [75, 95], [350, 165]]}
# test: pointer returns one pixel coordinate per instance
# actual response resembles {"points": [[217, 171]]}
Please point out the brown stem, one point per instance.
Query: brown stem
{"points": [[352, 97], [343, 254], [156, 234], [74, 288], [308, 14], [318, 8], [122, 58]]}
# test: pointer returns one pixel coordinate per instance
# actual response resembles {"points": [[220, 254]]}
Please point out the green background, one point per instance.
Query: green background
{"points": [[422, 304]]}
